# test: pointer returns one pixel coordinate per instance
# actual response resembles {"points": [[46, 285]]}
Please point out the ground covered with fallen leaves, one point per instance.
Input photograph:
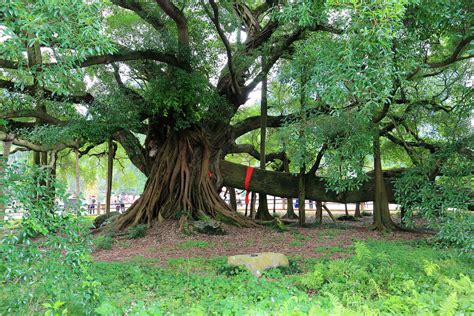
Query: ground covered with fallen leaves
{"points": [[164, 241]]}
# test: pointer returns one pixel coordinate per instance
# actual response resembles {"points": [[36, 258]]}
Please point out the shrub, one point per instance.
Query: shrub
{"points": [[138, 231], [231, 270], [104, 219], [457, 230], [103, 242], [45, 262]]}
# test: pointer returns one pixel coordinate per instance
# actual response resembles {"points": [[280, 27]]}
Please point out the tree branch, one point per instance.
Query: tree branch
{"points": [[228, 48], [178, 17], [454, 55], [138, 8], [47, 94], [319, 157], [250, 149]]}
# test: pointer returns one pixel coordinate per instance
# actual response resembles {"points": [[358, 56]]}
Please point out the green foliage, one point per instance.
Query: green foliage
{"points": [[382, 278], [457, 230], [103, 242], [232, 270], [390, 278], [443, 201], [137, 231], [44, 260]]}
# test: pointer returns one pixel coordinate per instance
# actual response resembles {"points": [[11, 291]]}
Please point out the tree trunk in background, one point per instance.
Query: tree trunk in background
{"points": [[78, 179], [381, 217], [301, 197], [345, 209], [302, 136], [253, 199], [274, 205], [290, 211], [319, 212], [357, 210], [232, 199], [3, 165], [110, 173], [50, 183], [262, 212]]}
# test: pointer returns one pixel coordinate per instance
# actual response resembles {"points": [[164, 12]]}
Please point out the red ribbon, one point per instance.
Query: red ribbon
{"points": [[248, 177]]}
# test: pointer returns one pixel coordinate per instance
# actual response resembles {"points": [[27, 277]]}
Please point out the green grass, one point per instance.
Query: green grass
{"points": [[299, 236], [295, 243], [189, 244], [328, 250], [381, 277]]}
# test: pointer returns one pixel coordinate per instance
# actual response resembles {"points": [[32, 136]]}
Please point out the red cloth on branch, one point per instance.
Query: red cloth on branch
{"points": [[248, 177]]}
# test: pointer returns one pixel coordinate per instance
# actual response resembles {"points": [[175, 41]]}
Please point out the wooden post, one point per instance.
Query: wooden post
{"points": [[330, 214]]}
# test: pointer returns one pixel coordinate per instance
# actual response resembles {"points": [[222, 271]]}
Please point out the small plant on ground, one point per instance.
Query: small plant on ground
{"points": [[231, 270], [103, 242], [138, 231]]}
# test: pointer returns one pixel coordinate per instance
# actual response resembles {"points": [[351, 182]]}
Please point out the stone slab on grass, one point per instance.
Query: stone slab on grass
{"points": [[259, 262]]}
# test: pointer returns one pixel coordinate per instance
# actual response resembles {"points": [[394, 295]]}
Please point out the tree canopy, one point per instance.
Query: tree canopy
{"points": [[354, 87]]}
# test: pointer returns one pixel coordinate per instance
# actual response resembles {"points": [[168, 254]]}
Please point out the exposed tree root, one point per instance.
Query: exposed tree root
{"points": [[181, 186]]}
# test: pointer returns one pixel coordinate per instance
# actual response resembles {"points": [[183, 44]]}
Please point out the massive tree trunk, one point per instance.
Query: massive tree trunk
{"points": [[181, 184], [382, 218]]}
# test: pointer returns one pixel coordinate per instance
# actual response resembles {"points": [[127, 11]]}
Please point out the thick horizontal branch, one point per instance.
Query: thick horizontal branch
{"points": [[250, 149], [286, 185], [455, 54], [47, 94], [252, 123], [123, 55], [44, 117], [8, 64], [144, 13], [32, 146]]}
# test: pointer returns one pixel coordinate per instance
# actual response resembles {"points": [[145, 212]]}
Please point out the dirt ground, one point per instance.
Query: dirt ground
{"points": [[164, 241]]}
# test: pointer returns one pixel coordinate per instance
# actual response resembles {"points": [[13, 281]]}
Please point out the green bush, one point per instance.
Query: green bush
{"points": [[45, 261], [389, 278], [457, 230], [138, 231], [231, 270], [103, 242]]}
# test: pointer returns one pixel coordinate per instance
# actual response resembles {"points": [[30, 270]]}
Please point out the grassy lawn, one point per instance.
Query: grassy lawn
{"points": [[379, 277]]}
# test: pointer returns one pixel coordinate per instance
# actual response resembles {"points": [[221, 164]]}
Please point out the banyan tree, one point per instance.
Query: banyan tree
{"points": [[168, 79]]}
